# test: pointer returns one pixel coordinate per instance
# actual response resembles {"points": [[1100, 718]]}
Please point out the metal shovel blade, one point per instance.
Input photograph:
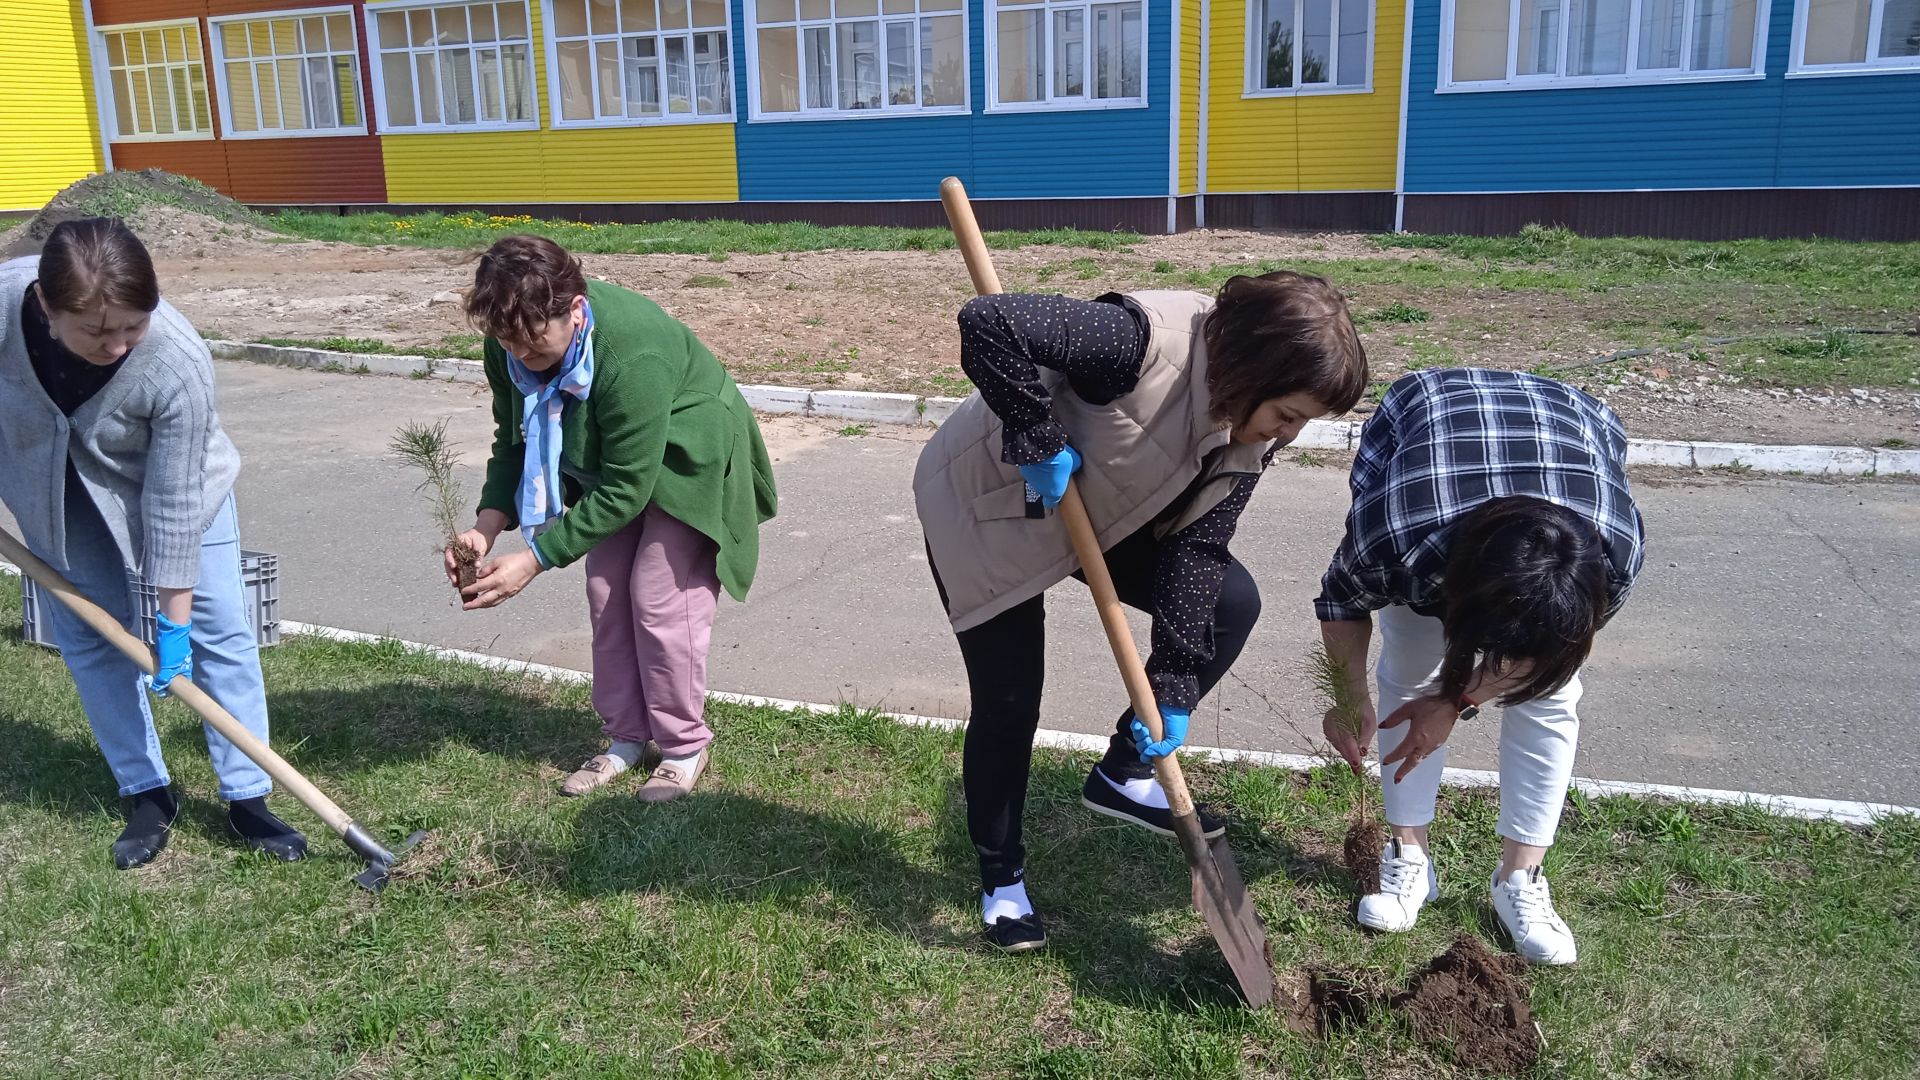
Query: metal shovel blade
{"points": [[1221, 897]]}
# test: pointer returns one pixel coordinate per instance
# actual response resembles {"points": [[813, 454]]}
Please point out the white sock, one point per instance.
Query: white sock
{"points": [[1146, 791], [627, 753], [1005, 902], [684, 764]]}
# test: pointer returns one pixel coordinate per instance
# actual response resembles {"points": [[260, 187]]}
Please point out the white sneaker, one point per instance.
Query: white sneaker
{"points": [[1407, 881], [1525, 908]]}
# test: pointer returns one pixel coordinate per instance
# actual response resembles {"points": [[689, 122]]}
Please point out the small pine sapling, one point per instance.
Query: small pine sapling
{"points": [[427, 448], [1345, 703]]}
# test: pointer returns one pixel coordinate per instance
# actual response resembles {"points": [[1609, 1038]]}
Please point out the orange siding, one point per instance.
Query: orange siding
{"points": [[203, 159]]}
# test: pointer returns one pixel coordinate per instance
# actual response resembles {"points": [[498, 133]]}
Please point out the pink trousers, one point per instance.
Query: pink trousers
{"points": [[651, 594]]}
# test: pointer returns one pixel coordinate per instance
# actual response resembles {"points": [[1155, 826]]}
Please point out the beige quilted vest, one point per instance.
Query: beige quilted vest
{"points": [[1141, 451]]}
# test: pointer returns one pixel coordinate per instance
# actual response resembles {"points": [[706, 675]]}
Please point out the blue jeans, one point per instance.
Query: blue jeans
{"points": [[226, 656]]}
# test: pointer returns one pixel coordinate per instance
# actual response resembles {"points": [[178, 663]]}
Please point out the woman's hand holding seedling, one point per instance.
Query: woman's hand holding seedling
{"points": [[1432, 720], [480, 538], [1339, 670], [501, 581]]}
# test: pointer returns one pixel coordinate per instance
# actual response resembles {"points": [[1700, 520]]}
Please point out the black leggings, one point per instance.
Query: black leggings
{"points": [[1006, 667]]}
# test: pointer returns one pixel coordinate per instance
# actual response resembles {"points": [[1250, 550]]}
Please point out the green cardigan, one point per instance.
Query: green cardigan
{"points": [[663, 424]]}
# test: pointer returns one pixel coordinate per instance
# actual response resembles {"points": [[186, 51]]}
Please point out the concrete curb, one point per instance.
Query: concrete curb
{"points": [[875, 408], [1840, 810]]}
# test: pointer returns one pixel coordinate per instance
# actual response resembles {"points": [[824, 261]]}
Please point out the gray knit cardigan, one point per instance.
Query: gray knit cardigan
{"points": [[148, 447]]}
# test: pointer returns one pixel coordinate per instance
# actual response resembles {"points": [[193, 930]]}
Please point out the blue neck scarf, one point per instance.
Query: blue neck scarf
{"points": [[540, 496]]}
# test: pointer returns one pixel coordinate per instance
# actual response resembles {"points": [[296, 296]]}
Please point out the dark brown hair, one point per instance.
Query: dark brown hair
{"points": [[1278, 334], [87, 262], [523, 283], [1526, 581]]}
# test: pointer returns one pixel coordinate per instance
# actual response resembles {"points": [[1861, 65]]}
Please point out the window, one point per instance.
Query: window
{"points": [[159, 82], [1856, 35], [453, 67], [1519, 44], [626, 61], [1067, 53], [1309, 44], [859, 57], [293, 74]]}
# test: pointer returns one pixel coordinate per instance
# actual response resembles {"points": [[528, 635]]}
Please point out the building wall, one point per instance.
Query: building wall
{"points": [[49, 132], [1034, 155], [1839, 131], [1304, 142]]}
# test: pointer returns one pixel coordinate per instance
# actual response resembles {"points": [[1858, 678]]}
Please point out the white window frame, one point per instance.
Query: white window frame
{"points": [[1633, 76], [376, 62], [1257, 55], [1798, 68], [751, 33], [991, 15], [555, 89], [219, 53], [106, 69]]}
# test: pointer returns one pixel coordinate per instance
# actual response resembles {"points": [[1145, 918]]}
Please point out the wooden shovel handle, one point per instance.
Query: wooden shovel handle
{"points": [[182, 687], [1086, 545]]}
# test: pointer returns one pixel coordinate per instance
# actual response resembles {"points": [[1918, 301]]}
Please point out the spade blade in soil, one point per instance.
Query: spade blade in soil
{"points": [[1221, 896]]}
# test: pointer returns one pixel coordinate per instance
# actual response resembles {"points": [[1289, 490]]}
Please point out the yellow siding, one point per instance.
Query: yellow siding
{"points": [[667, 163], [49, 133], [1190, 44], [1325, 142]]}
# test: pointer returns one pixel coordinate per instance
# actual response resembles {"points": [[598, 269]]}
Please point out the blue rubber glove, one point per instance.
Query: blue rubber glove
{"points": [[172, 654], [1049, 477], [1174, 725]]}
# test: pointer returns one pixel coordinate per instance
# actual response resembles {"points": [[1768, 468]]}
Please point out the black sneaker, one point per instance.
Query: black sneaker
{"points": [[250, 822], [1102, 795], [1023, 934], [150, 817]]}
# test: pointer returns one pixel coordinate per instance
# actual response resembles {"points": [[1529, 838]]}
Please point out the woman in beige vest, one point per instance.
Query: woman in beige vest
{"points": [[1168, 406]]}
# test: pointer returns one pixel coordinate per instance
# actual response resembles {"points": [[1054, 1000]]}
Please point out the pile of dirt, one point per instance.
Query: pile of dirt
{"points": [[1469, 1002], [170, 213]]}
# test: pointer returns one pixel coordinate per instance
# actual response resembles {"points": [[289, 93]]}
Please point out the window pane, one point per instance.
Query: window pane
{"points": [[421, 27], [392, 29], [319, 90], [1316, 42], [709, 13], [286, 37], [569, 18], [489, 89], [286, 76], [1723, 35], [859, 65], [642, 65], [819, 58], [606, 67], [1539, 37], [1660, 29], [603, 16], [141, 112], [513, 27], [241, 112], [897, 7], [939, 5], [816, 9], [516, 70], [673, 14], [126, 122], [396, 77], [1480, 40], [268, 82], [900, 81], [1899, 29], [233, 42], [451, 24], [1116, 51], [162, 100], [427, 74], [480, 18], [1070, 53], [340, 33], [313, 34], [1598, 45], [1277, 44], [156, 46], [679, 76], [855, 9], [943, 53], [576, 80], [779, 70], [1351, 70], [182, 99], [712, 74], [773, 11], [457, 95], [116, 50], [346, 81], [176, 39], [202, 112], [1022, 74], [638, 15]]}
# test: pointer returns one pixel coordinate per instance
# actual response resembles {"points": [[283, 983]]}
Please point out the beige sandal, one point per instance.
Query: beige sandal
{"points": [[599, 771], [670, 782]]}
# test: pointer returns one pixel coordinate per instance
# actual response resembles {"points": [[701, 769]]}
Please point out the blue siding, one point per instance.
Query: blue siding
{"points": [[1106, 153], [1776, 132]]}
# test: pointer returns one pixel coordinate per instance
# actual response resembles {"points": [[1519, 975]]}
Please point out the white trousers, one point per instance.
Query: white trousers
{"points": [[1537, 738]]}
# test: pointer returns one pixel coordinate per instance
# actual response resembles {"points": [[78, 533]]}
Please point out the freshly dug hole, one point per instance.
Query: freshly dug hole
{"points": [[1474, 1002]]}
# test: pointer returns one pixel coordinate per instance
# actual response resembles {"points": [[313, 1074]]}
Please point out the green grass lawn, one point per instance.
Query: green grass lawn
{"points": [[811, 912], [716, 239]]}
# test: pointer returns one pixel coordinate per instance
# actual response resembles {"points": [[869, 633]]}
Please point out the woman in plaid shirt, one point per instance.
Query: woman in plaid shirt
{"points": [[1493, 532]]}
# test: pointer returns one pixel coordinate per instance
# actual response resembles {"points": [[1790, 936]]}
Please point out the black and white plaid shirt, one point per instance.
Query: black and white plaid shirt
{"points": [[1445, 441]]}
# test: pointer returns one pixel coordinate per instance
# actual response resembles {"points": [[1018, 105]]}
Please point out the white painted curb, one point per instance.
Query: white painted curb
{"points": [[875, 408], [1846, 812]]}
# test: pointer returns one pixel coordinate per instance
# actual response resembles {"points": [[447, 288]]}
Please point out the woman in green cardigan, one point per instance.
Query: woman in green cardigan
{"points": [[606, 404]]}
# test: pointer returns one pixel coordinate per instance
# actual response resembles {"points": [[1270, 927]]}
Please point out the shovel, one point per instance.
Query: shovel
{"points": [[1218, 891], [379, 859]]}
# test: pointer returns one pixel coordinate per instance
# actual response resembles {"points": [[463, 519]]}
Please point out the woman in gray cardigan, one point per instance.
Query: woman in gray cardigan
{"points": [[115, 459]]}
